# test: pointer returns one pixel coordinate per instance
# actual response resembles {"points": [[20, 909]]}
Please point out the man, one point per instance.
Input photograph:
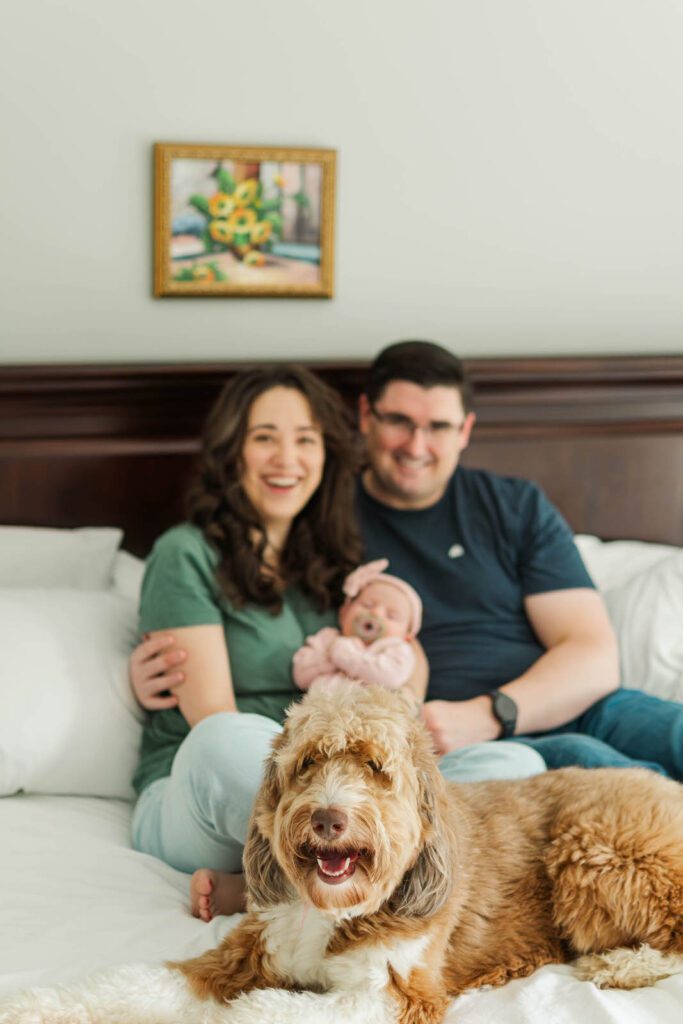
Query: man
{"points": [[517, 638]]}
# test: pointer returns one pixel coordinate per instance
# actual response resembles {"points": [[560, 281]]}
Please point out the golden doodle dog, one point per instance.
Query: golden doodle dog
{"points": [[366, 870]]}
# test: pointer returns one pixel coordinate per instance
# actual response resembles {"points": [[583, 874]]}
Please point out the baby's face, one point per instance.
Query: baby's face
{"points": [[379, 610]]}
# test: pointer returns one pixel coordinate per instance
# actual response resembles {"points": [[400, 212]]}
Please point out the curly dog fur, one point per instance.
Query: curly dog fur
{"points": [[365, 870]]}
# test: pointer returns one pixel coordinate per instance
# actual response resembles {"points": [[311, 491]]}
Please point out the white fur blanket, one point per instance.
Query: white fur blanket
{"points": [[141, 994]]}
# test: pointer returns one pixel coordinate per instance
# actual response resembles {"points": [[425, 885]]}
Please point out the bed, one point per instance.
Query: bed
{"points": [[93, 460]]}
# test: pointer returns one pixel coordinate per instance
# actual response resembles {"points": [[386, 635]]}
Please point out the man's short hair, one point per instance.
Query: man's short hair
{"points": [[420, 362]]}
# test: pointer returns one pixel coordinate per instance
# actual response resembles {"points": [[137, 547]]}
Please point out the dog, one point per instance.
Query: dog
{"points": [[377, 891], [367, 872]]}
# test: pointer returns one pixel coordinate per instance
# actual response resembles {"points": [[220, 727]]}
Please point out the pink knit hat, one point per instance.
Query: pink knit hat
{"points": [[373, 572]]}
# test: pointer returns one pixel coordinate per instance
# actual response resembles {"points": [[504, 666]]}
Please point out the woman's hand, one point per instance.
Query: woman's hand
{"points": [[153, 671]]}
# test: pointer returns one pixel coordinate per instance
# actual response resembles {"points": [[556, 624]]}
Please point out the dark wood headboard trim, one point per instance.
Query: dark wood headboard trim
{"points": [[150, 404], [113, 442], [566, 396]]}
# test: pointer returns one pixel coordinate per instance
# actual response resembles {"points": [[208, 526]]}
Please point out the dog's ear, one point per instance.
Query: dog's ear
{"points": [[266, 883], [271, 790], [426, 886]]}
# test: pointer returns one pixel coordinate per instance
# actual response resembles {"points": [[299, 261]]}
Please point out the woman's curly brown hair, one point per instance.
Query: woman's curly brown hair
{"points": [[323, 545]]}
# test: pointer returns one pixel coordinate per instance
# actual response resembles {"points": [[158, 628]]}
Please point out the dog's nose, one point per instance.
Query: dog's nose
{"points": [[329, 822]]}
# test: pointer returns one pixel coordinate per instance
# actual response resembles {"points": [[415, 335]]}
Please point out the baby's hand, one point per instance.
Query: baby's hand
{"points": [[387, 663], [313, 659]]}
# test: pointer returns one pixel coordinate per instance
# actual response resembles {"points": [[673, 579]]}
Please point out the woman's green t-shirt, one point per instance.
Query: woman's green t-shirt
{"points": [[180, 589]]}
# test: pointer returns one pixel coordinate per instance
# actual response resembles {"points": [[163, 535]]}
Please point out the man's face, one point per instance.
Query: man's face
{"points": [[414, 438]]}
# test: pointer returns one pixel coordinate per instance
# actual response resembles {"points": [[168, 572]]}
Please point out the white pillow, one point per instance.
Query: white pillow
{"points": [[127, 576], [68, 721], [647, 614], [642, 585], [36, 557], [613, 563]]}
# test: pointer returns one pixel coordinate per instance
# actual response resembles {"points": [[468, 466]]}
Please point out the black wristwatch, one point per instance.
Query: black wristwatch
{"points": [[505, 710]]}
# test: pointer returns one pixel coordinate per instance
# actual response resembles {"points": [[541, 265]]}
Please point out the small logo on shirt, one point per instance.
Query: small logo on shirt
{"points": [[456, 551]]}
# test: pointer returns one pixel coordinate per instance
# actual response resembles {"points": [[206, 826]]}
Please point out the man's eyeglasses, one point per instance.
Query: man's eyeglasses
{"points": [[401, 428]]}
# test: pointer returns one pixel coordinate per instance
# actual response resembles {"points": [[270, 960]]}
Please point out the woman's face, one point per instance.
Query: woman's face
{"points": [[282, 457]]}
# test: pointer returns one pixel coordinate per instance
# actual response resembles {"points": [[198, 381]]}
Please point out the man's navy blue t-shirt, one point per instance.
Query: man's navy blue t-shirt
{"points": [[473, 557]]}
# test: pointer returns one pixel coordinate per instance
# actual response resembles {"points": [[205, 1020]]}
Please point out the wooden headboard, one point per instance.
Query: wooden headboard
{"points": [[113, 444]]}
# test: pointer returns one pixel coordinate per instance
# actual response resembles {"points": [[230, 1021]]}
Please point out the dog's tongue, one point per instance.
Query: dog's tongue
{"points": [[337, 865], [334, 866]]}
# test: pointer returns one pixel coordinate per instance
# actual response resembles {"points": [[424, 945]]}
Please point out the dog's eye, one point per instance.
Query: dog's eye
{"points": [[375, 767], [305, 763]]}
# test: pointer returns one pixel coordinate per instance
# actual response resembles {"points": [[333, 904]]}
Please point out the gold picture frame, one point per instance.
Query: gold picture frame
{"points": [[243, 221]]}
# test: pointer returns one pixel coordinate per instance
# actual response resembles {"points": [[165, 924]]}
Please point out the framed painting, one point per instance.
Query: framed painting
{"points": [[243, 220]]}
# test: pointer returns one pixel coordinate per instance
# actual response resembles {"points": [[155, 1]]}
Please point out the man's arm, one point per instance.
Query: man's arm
{"points": [[579, 667]]}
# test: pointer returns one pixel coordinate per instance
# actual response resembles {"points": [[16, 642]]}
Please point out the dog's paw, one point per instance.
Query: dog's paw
{"points": [[627, 968]]}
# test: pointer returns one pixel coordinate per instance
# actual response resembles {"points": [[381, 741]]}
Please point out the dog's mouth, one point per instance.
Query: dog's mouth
{"points": [[333, 866]]}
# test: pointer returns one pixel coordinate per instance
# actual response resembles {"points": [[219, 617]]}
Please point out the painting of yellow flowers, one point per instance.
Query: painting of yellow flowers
{"points": [[242, 220]]}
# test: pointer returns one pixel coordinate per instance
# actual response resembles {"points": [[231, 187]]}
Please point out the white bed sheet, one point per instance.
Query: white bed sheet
{"points": [[75, 898]]}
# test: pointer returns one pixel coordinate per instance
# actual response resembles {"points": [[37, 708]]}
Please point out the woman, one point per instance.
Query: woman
{"points": [[257, 568]]}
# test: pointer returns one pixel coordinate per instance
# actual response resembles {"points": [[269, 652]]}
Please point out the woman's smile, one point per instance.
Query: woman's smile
{"points": [[283, 456]]}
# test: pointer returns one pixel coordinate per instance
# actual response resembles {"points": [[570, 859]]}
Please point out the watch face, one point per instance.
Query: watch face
{"points": [[505, 710]]}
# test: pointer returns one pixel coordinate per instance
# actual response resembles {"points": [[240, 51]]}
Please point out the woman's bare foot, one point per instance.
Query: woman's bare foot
{"points": [[216, 892]]}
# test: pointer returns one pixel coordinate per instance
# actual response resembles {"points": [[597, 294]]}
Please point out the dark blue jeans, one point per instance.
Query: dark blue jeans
{"points": [[626, 729]]}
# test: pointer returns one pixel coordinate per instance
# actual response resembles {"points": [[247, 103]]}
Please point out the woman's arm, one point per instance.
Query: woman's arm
{"points": [[207, 684], [416, 685]]}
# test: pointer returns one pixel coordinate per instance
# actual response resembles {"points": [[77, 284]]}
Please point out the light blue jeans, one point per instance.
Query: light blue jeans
{"points": [[198, 816]]}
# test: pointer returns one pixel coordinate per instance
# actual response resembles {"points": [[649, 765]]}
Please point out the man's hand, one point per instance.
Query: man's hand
{"points": [[458, 723]]}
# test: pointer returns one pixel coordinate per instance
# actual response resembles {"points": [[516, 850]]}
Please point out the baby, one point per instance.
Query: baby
{"points": [[380, 615]]}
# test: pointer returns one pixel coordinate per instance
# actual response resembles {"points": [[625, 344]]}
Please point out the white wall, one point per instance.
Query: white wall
{"points": [[510, 174]]}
